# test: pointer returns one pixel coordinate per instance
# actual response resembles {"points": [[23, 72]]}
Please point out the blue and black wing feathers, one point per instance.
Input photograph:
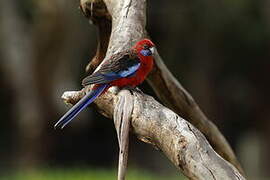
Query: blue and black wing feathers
{"points": [[120, 65]]}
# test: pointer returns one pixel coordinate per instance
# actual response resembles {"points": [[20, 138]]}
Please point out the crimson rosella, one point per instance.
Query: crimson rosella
{"points": [[124, 69]]}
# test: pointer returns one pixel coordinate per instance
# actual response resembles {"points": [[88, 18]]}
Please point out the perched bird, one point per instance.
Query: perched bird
{"points": [[128, 68]]}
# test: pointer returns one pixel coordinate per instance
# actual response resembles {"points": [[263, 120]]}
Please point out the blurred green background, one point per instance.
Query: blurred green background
{"points": [[219, 51]]}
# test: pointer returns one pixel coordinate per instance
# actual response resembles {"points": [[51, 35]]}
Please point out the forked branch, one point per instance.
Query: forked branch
{"points": [[128, 20], [179, 140], [153, 123]]}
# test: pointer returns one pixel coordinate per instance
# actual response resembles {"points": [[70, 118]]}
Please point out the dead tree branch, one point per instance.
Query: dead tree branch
{"points": [[153, 123], [128, 26], [180, 141], [122, 115]]}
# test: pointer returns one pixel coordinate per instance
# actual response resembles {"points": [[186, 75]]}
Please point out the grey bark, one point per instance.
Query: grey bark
{"points": [[180, 141], [128, 20], [155, 124], [122, 114]]}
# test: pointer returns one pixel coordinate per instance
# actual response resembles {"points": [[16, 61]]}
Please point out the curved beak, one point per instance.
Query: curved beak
{"points": [[152, 49]]}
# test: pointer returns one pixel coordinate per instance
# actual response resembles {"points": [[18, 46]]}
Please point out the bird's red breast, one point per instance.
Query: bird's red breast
{"points": [[126, 68], [146, 65]]}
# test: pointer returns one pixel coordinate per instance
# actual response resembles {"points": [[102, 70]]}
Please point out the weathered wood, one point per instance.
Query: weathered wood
{"points": [[96, 12], [179, 140], [122, 115], [128, 26]]}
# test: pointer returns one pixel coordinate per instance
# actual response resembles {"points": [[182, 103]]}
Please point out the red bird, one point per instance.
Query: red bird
{"points": [[128, 68]]}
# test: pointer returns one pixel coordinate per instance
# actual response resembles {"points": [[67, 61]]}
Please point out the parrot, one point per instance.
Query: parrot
{"points": [[127, 68]]}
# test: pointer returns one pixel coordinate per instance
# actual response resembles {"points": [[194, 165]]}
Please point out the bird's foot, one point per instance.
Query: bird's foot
{"points": [[130, 88], [133, 89]]}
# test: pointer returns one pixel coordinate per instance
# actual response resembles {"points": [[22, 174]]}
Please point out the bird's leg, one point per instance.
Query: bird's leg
{"points": [[133, 89], [130, 88], [138, 90]]}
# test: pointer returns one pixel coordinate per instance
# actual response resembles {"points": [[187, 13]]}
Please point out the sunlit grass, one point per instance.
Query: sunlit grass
{"points": [[84, 174]]}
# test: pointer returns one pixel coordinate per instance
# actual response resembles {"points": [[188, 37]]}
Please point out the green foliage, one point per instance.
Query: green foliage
{"points": [[83, 174]]}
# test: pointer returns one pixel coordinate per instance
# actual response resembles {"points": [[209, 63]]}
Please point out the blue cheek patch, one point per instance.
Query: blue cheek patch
{"points": [[146, 52]]}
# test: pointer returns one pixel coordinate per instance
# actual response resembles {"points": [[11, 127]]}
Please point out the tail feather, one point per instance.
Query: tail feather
{"points": [[77, 108]]}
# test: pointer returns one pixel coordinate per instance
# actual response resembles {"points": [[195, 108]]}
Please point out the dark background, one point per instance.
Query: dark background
{"points": [[218, 50]]}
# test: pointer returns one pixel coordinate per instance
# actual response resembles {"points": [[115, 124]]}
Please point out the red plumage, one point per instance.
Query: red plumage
{"points": [[144, 69], [146, 65], [128, 68]]}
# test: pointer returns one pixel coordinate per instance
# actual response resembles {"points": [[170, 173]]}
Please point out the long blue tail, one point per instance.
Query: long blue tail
{"points": [[77, 108]]}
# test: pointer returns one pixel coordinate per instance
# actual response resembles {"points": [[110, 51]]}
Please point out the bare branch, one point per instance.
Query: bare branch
{"points": [[129, 19], [97, 13], [122, 115], [180, 141], [172, 94]]}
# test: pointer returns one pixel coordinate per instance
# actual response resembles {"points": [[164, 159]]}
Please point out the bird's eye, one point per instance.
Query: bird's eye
{"points": [[146, 51], [145, 46]]}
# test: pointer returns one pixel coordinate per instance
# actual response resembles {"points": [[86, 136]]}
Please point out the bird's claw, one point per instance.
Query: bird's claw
{"points": [[133, 89]]}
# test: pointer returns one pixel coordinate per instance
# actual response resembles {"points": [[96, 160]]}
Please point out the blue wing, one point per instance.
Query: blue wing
{"points": [[119, 66], [128, 71]]}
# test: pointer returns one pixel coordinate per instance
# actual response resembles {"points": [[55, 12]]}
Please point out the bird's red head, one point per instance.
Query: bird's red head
{"points": [[145, 47]]}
